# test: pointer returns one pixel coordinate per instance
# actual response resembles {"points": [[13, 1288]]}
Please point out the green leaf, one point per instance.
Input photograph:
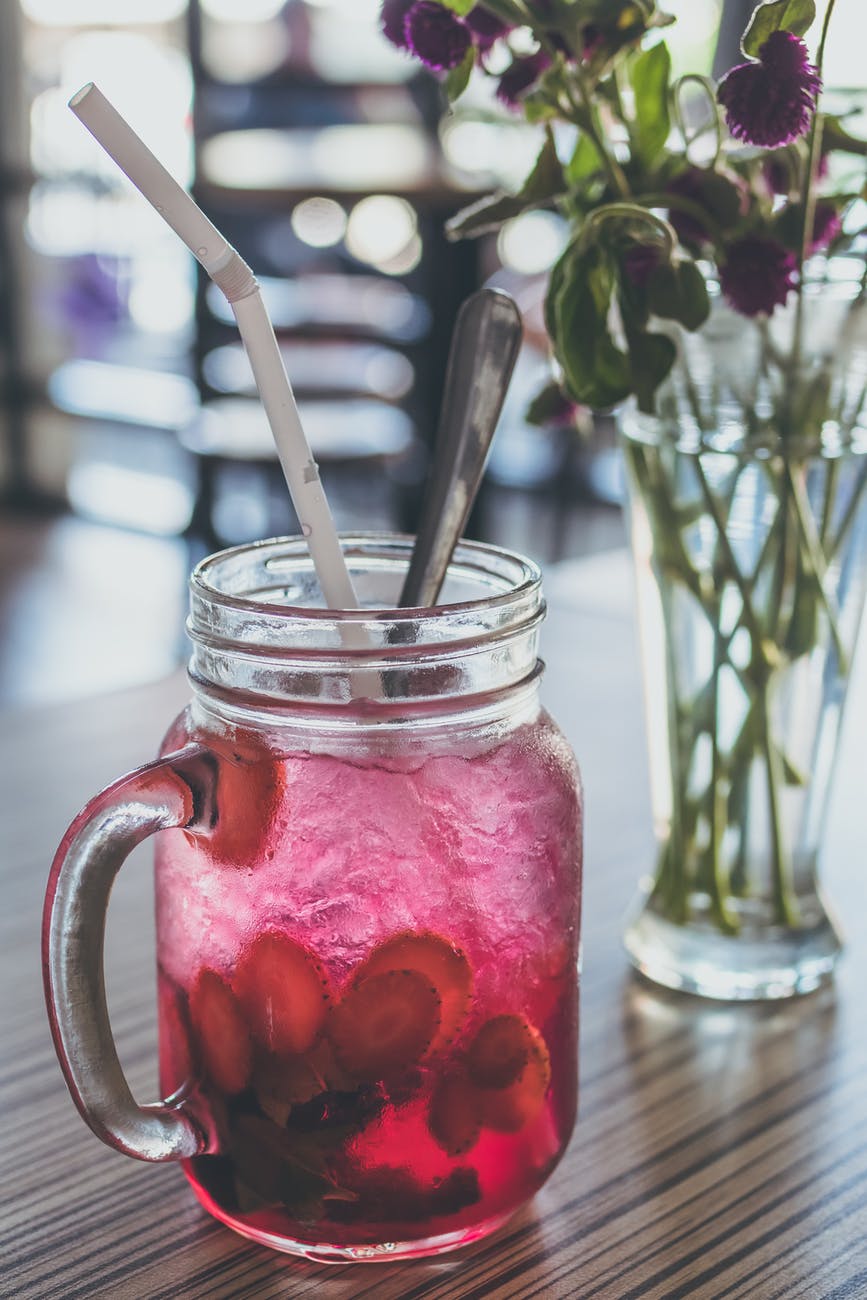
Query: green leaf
{"points": [[651, 357], [556, 280], [545, 182], [460, 7], [585, 161], [722, 197], [547, 406], [678, 291], [812, 402], [547, 177], [793, 774], [458, 79], [537, 107], [795, 16], [484, 215], [650, 72], [835, 136], [803, 631], [596, 370]]}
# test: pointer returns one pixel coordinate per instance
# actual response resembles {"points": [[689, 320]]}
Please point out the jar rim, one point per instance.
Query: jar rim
{"points": [[364, 545], [249, 639]]}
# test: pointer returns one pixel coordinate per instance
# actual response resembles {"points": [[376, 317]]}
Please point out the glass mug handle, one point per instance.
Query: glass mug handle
{"points": [[171, 792]]}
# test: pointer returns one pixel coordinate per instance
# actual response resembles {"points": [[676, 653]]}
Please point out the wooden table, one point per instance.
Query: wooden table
{"points": [[721, 1151]]}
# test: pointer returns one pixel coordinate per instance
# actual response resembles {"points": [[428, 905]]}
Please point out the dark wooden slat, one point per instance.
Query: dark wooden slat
{"points": [[721, 1152]]}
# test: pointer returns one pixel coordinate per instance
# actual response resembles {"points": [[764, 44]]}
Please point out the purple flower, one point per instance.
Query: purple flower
{"points": [[688, 185], [392, 19], [520, 76], [592, 40], [826, 226], [757, 274], [639, 263], [771, 101], [486, 28], [436, 36]]}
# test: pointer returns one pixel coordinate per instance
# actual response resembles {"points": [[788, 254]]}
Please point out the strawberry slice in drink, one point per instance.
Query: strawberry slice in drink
{"points": [[443, 964], [384, 1024], [455, 1115], [509, 1065], [248, 791], [221, 1034], [284, 993], [177, 1054]]}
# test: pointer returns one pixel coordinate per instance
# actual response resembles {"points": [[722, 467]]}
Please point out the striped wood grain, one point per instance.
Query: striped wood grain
{"points": [[721, 1152]]}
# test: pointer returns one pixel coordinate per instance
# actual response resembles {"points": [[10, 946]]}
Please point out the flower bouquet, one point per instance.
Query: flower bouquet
{"points": [[713, 287]]}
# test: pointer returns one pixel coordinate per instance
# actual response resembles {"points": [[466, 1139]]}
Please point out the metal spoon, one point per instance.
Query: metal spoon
{"points": [[482, 357]]}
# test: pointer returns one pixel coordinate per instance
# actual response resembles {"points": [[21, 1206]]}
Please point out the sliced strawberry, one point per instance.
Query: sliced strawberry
{"points": [[384, 1024], [510, 1065], [177, 1061], [443, 964], [500, 1050], [455, 1116], [248, 792], [176, 1050], [222, 1035], [284, 993]]}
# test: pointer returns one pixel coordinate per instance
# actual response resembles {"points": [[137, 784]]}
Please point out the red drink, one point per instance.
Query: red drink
{"points": [[368, 903], [368, 983]]}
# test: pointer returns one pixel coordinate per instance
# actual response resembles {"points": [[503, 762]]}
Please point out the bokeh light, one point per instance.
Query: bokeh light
{"points": [[319, 222], [383, 231]]}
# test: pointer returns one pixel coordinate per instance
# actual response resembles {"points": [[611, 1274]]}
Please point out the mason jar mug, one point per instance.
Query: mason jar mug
{"points": [[368, 856]]}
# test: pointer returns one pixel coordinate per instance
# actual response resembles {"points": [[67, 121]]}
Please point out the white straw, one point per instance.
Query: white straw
{"points": [[228, 270]]}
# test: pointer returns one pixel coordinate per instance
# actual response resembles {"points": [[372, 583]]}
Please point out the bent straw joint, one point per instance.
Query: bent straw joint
{"points": [[230, 272], [235, 278]]}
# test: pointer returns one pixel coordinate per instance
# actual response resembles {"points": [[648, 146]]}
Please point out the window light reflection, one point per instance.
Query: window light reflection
{"points": [[83, 13], [150, 84], [365, 10], [240, 52], [161, 295], [124, 393], [248, 11], [67, 220], [501, 152], [336, 157], [132, 498]]}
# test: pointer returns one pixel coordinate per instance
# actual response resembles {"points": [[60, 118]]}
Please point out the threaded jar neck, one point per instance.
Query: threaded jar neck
{"points": [[263, 642]]}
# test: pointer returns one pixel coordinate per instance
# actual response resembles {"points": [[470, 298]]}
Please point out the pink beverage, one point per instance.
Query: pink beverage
{"points": [[382, 1023], [367, 910]]}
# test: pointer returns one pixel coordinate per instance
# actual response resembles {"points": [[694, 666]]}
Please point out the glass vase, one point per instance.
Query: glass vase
{"points": [[748, 520]]}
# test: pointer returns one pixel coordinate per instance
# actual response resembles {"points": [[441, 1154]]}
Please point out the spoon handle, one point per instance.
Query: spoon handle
{"points": [[483, 353]]}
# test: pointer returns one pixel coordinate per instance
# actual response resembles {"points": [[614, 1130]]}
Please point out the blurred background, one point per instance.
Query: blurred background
{"points": [[130, 441]]}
